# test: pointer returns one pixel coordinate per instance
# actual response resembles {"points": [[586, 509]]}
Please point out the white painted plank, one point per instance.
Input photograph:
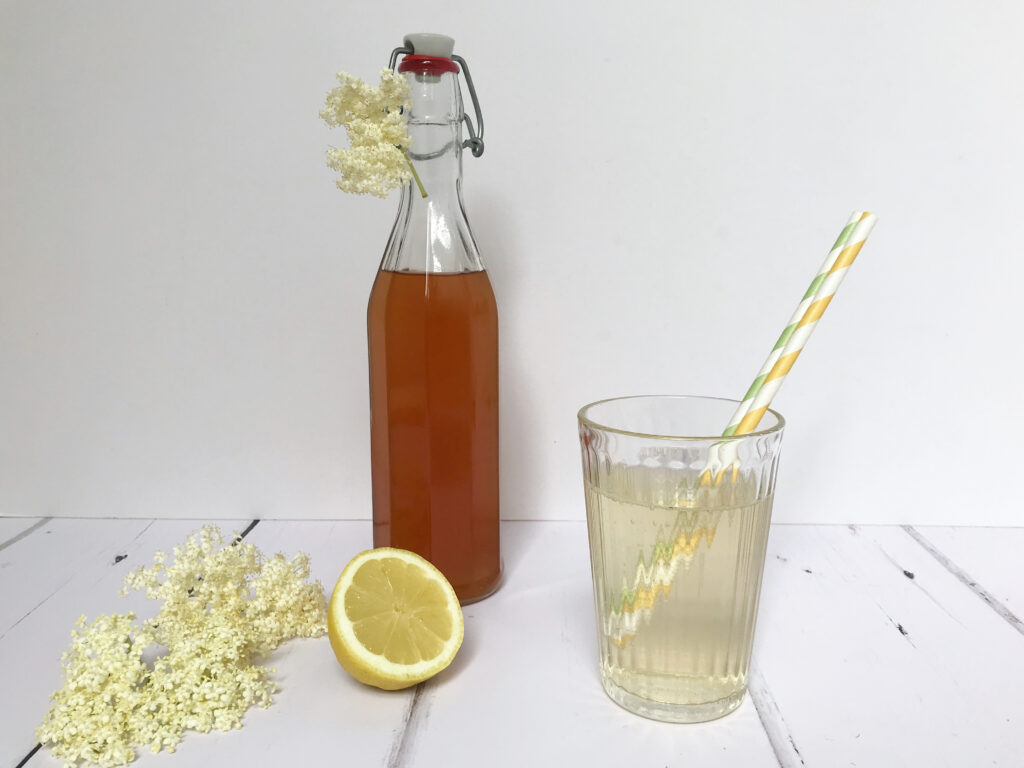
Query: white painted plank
{"points": [[524, 689], [869, 667], [319, 710], [33, 568], [836, 680], [990, 556]]}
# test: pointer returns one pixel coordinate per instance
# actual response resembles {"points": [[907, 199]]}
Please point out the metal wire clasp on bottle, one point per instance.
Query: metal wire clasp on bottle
{"points": [[475, 142]]}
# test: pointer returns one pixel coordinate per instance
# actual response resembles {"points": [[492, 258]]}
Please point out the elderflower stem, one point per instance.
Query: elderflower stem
{"points": [[419, 183]]}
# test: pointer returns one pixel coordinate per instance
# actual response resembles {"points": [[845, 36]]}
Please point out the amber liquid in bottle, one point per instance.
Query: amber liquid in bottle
{"points": [[432, 327], [433, 341]]}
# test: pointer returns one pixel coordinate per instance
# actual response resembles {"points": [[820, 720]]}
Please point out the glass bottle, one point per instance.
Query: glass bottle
{"points": [[432, 327]]}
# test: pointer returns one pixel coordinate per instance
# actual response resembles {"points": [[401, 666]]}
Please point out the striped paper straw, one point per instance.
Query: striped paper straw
{"points": [[787, 332], [798, 338], [722, 456], [650, 581]]}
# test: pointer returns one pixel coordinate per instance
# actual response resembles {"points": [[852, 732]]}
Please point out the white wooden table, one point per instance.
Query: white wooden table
{"points": [[876, 646]]}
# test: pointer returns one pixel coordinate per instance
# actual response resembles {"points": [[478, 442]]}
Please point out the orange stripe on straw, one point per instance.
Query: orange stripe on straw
{"points": [[751, 420], [846, 256], [782, 366], [815, 311]]}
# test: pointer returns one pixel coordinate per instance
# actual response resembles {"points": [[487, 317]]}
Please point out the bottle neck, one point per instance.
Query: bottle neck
{"points": [[432, 233], [435, 126], [436, 156]]}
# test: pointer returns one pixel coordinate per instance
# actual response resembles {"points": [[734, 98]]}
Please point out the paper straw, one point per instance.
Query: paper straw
{"points": [[805, 327], [787, 332], [722, 456], [652, 582]]}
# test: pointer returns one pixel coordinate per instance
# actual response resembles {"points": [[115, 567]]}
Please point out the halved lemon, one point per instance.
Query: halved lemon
{"points": [[393, 619]]}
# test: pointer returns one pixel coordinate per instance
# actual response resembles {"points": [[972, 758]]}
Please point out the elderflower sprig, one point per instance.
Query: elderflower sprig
{"points": [[223, 607], [377, 159]]}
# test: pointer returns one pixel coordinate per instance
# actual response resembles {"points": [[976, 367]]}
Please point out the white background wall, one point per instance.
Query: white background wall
{"points": [[182, 289]]}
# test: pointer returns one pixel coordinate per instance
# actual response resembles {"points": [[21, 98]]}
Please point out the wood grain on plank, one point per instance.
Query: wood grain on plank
{"points": [[871, 666], [14, 529], [774, 724], [39, 565], [990, 557]]}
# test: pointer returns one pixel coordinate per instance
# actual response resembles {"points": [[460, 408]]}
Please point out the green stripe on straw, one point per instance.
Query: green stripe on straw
{"points": [[816, 282], [787, 332]]}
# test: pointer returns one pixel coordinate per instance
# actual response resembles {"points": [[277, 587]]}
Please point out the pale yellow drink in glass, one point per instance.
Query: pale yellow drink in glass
{"points": [[677, 564]]}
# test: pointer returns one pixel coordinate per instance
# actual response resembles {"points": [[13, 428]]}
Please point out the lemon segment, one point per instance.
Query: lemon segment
{"points": [[393, 620]]}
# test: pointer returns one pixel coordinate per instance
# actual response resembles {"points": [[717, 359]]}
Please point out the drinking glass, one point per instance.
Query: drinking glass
{"points": [[678, 520]]}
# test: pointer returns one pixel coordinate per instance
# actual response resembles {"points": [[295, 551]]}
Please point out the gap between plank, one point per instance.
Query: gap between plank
{"points": [[775, 728], [29, 756], [964, 578], [247, 531], [414, 714], [18, 537]]}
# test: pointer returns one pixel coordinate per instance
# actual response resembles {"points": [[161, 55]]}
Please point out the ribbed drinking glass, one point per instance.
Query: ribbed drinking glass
{"points": [[678, 522]]}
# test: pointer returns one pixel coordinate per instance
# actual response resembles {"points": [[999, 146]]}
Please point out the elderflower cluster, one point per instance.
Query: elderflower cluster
{"points": [[222, 608], [378, 133]]}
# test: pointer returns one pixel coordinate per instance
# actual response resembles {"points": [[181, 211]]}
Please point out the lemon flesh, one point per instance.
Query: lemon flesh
{"points": [[393, 619]]}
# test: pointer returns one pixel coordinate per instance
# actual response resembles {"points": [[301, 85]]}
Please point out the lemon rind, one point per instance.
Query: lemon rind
{"points": [[377, 665]]}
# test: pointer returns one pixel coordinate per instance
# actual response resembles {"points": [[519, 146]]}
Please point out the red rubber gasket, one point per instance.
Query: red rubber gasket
{"points": [[427, 65]]}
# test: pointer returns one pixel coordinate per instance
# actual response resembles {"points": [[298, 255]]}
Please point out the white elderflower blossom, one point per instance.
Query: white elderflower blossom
{"points": [[377, 160], [223, 607]]}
